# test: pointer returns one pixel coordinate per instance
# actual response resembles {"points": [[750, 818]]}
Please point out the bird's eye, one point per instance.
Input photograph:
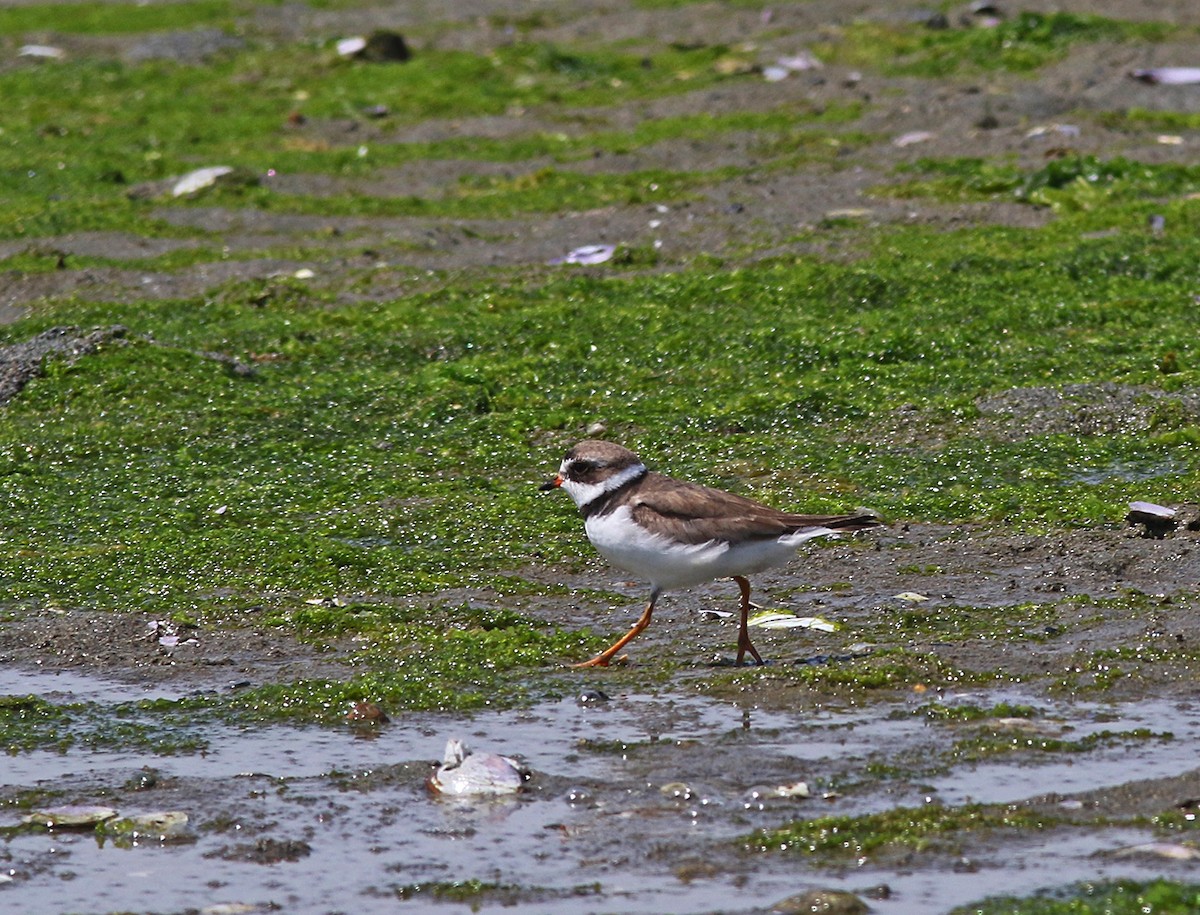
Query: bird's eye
{"points": [[583, 467]]}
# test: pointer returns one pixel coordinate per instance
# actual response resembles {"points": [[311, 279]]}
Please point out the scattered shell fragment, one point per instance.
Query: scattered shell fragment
{"points": [[41, 51], [849, 213], [1168, 76], [793, 63], [911, 596], [1159, 520], [769, 619], [161, 825], [913, 137], [348, 47], [830, 902], [1043, 130], [800, 62], [70, 816], [464, 773], [758, 797], [200, 179], [325, 601], [796, 789], [1169, 850], [1159, 512], [1023, 726], [304, 273], [587, 254]]}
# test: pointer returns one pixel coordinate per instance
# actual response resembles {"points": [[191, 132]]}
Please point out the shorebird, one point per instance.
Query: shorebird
{"points": [[676, 534]]}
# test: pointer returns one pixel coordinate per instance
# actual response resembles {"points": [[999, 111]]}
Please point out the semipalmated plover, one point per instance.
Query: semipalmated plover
{"points": [[676, 534]]}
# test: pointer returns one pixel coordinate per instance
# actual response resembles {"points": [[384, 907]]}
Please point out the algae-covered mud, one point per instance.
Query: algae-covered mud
{"points": [[296, 323]]}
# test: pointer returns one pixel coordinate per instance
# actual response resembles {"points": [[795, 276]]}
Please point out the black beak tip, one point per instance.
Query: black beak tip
{"points": [[547, 486]]}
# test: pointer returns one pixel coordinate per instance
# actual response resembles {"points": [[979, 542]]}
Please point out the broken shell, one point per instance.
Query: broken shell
{"points": [[348, 47], [680, 791], [912, 138], [832, 901], [1043, 130], [1158, 519], [799, 62], [42, 51], [586, 255], [465, 773], [1168, 76], [796, 789], [757, 797], [772, 620], [161, 825], [71, 816], [1169, 850], [199, 180]]}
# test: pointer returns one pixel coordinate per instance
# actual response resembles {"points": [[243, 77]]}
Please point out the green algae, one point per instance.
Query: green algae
{"points": [[118, 18], [915, 829], [1121, 897], [478, 893], [936, 711], [73, 171], [31, 723], [268, 444], [367, 430], [1022, 43], [1066, 184], [1002, 742], [883, 671]]}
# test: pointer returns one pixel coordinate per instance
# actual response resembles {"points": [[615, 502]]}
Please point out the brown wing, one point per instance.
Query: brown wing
{"points": [[698, 514]]}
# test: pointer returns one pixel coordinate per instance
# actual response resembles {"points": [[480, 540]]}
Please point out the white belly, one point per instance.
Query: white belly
{"points": [[669, 565]]}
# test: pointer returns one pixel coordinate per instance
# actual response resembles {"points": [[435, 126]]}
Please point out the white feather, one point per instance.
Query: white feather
{"points": [[668, 564]]}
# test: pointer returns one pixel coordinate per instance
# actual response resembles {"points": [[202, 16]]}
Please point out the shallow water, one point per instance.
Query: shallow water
{"points": [[595, 831]]}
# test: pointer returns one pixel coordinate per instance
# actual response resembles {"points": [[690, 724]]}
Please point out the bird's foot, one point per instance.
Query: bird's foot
{"points": [[601, 660]]}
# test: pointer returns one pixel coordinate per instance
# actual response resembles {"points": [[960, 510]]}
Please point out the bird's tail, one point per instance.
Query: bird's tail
{"points": [[858, 521]]}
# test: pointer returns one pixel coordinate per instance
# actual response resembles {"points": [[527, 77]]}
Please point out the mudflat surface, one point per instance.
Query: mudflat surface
{"points": [[638, 798]]}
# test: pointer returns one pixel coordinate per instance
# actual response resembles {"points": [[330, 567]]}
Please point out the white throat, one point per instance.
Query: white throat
{"points": [[583, 493]]}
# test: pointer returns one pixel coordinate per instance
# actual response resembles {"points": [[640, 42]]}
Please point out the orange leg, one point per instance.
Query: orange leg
{"points": [[602, 659], [743, 634]]}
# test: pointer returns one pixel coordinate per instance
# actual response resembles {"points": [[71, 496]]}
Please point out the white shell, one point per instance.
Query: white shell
{"points": [[70, 815], [464, 773], [44, 51], [199, 179], [1168, 76], [348, 47], [772, 620]]}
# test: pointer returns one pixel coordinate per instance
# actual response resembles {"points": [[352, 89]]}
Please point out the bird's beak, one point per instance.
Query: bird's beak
{"points": [[552, 484]]}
